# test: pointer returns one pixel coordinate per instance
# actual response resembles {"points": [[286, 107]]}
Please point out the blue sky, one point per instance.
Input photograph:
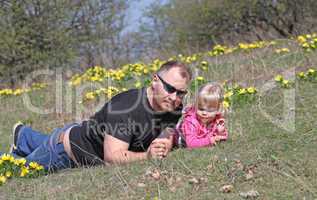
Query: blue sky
{"points": [[135, 12]]}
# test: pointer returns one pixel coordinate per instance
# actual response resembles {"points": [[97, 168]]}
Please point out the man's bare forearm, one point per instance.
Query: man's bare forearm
{"points": [[125, 156]]}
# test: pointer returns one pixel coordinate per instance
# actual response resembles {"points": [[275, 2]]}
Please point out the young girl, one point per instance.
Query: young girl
{"points": [[202, 124]]}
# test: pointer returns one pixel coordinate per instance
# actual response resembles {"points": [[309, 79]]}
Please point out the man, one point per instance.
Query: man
{"points": [[128, 127]]}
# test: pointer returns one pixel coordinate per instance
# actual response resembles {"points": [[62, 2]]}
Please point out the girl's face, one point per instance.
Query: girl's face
{"points": [[207, 113]]}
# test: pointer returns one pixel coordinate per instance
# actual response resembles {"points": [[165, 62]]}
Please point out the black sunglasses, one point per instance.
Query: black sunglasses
{"points": [[171, 89]]}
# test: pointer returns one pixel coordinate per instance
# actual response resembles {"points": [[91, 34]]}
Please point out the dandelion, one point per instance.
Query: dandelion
{"points": [[225, 104], [301, 39], [200, 78], [286, 83], [279, 78], [8, 174], [228, 94], [138, 84], [251, 90], [24, 171], [242, 91], [301, 75], [33, 165], [3, 179], [311, 71], [282, 50], [20, 162], [89, 96], [7, 157], [39, 168]]}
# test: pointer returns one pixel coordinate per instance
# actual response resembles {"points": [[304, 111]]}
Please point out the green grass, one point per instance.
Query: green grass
{"points": [[283, 163]]}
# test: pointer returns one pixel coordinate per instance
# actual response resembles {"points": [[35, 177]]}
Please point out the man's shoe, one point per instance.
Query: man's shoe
{"points": [[15, 131]]}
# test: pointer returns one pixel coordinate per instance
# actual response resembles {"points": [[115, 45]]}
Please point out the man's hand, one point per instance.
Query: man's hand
{"points": [[160, 147], [157, 149]]}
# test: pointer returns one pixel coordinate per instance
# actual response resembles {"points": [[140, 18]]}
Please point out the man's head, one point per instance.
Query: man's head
{"points": [[169, 85]]}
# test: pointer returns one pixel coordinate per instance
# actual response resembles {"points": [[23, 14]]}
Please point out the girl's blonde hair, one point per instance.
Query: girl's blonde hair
{"points": [[210, 94]]}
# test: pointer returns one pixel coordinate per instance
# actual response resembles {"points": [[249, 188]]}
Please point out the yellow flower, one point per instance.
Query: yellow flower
{"points": [[242, 91], [20, 162], [7, 157], [301, 39], [24, 171], [311, 71], [243, 46], [301, 75], [305, 45], [36, 166], [279, 78], [39, 167], [138, 84], [3, 179], [8, 174], [33, 165], [90, 95], [251, 90], [285, 83], [282, 50], [228, 94], [225, 104], [236, 86], [200, 78]]}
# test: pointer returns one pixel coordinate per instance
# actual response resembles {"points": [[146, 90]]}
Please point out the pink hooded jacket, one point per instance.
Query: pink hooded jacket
{"points": [[197, 134]]}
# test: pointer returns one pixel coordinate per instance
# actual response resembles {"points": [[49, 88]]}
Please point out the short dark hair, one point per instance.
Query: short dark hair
{"points": [[184, 69]]}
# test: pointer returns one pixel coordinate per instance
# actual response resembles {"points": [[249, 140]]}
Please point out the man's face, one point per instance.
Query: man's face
{"points": [[169, 89]]}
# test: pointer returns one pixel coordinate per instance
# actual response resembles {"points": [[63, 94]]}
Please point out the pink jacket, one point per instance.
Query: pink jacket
{"points": [[197, 134]]}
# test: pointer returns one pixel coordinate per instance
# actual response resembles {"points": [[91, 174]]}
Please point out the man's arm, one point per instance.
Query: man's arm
{"points": [[116, 151]]}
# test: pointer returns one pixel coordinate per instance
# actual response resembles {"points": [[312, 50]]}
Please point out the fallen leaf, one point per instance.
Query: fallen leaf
{"points": [[178, 179], [156, 174], [226, 188], [170, 181], [141, 185], [203, 180], [239, 164], [193, 181], [252, 194], [210, 167], [249, 175], [148, 172]]}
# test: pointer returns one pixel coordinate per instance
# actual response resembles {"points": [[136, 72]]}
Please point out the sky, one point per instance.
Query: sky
{"points": [[135, 12]]}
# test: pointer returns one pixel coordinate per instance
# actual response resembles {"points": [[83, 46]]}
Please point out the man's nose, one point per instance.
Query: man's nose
{"points": [[173, 96]]}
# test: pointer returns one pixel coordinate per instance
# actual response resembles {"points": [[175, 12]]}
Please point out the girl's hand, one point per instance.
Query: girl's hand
{"points": [[217, 138], [221, 126]]}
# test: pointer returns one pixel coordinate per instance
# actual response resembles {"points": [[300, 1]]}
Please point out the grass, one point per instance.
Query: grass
{"points": [[279, 164]]}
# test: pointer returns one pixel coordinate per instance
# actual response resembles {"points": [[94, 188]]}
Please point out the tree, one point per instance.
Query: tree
{"points": [[179, 26], [36, 34]]}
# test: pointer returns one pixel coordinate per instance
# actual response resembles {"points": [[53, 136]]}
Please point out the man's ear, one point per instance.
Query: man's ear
{"points": [[154, 77]]}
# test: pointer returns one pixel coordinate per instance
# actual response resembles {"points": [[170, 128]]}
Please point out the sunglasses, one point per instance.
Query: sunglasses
{"points": [[171, 89]]}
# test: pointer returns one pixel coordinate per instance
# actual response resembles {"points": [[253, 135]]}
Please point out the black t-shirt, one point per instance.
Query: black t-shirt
{"points": [[129, 117]]}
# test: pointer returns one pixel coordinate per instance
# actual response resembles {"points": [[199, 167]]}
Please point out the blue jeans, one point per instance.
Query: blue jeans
{"points": [[43, 149]]}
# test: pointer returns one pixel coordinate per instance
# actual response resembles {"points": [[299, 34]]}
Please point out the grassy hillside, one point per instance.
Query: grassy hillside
{"points": [[271, 149]]}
